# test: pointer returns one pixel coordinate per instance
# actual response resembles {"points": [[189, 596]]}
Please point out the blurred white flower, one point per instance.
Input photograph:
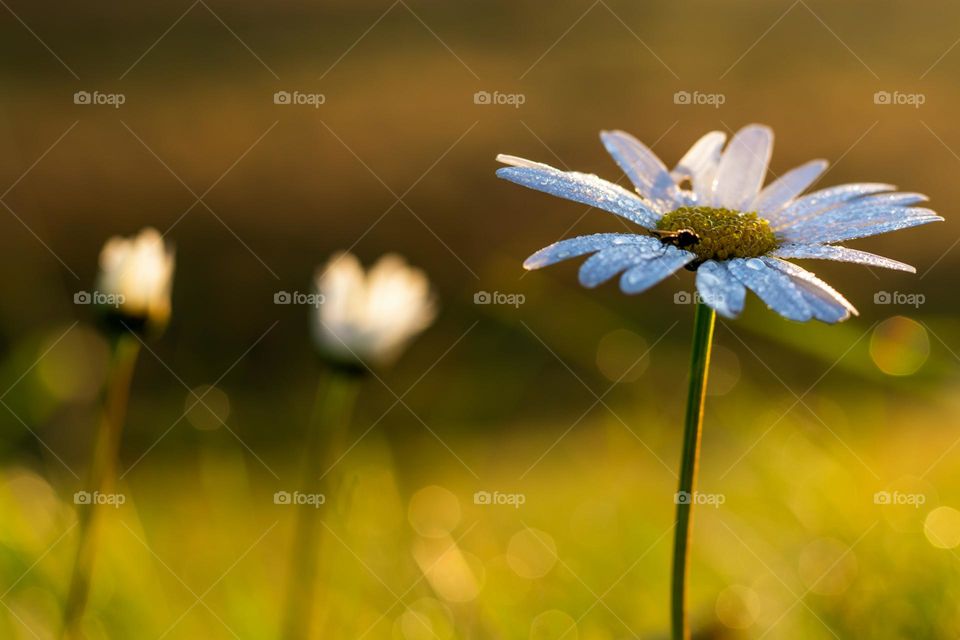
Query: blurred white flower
{"points": [[137, 275], [367, 318]]}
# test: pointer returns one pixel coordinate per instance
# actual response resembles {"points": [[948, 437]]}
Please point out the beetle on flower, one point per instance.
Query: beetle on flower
{"points": [[726, 226]]}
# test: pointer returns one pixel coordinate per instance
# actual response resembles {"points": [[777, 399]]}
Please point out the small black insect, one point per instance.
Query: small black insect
{"points": [[681, 238]]}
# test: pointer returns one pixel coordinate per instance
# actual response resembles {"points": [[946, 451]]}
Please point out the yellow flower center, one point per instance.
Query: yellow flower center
{"points": [[717, 234]]}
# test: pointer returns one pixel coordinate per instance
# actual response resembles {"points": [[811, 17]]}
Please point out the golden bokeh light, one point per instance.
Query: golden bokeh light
{"points": [[554, 625], [451, 573], [942, 527], [425, 619], [899, 346], [207, 407], [724, 371], [434, 512], [532, 553], [738, 607]]}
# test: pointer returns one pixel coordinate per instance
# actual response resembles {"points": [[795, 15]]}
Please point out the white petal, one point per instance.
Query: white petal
{"points": [[608, 262], [138, 273], [369, 317], [894, 199], [855, 221], [699, 164], [840, 254], [719, 289], [517, 161], [825, 199], [857, 213], [743, 167], [582, 245], [825, 302], [583, 188], [648, 273], [645, 170], [775, 288], [784, 189]]}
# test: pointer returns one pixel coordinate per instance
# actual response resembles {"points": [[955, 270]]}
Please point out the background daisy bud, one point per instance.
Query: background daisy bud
{"points": [[367, 318], [136, 276]]}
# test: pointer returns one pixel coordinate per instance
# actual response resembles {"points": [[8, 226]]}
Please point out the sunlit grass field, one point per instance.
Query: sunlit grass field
{"points": [[578, 543]]}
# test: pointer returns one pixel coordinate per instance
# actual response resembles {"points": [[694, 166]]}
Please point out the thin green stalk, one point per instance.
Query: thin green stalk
{"points": [[689, 461], [101, 476], [324, 446]]}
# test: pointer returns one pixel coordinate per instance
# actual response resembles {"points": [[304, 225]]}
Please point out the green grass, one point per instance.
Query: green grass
{"points": [[797, 546]]}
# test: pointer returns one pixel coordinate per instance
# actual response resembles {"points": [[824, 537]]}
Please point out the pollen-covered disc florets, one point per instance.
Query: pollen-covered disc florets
{"points": [[719, 233]]}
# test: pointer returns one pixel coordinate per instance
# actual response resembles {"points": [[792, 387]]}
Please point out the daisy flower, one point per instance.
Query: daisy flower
{"points": [[367, 318], [137, 273], [364, 320], [134, 283], [712, 214]]}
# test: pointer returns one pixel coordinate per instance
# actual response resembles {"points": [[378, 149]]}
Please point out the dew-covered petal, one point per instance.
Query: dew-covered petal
{"points": [[823, 200], [517, 161], [826, 304], [774, 287], [784, 189], [608, 262], [858, 212], [743, 167], [646, 171], [649, 272], [893, 199], [582, 245], [584, 188], [699, 165], [840, 254], [856, 221], [719, 289]]}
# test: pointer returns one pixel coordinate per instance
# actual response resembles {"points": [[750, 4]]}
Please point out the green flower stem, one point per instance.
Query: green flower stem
{"points": [[699, 363], [100, 476], [324, 446]]}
